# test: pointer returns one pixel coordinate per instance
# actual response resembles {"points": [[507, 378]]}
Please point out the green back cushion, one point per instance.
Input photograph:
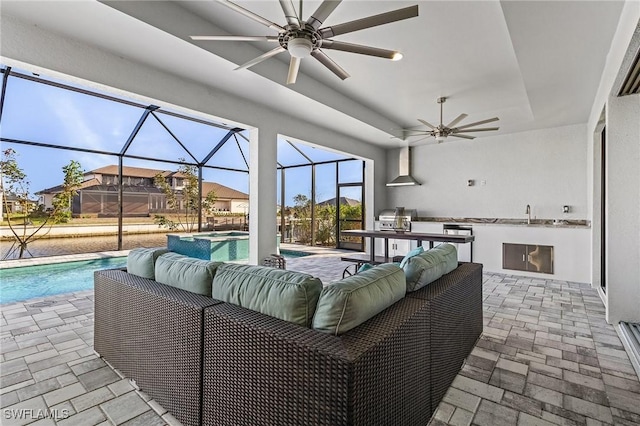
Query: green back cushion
{"points": [[350, 302], [187, 273], [290, 296], [142, 261], [427, 267], [416, 251]]}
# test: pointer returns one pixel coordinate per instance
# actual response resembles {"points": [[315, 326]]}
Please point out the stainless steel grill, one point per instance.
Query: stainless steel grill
{"points": [[387, 219]]}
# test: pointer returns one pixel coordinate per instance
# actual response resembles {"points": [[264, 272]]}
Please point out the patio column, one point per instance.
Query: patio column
{"points": [[622, 213], [262, 193]]}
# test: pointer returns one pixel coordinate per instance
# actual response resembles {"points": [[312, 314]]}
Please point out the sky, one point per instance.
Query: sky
{"points": [[47, 114]]}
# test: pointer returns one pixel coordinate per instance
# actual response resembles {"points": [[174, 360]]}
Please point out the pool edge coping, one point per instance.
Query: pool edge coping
{"points": [[49, 260]]}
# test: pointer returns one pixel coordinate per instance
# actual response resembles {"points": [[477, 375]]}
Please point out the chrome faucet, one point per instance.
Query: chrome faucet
{"points": [[528, 212]]}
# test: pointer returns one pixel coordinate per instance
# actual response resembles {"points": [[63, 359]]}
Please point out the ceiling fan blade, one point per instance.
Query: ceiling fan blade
{"points": [[489, 120], [290, 12], [329, 63], [235, 38], [371, 21], [458, 135], [358, 48], [261, 58], [457, 120], [294, 66], [249, 14], [426, 124], [487, 129], [322, 13]]}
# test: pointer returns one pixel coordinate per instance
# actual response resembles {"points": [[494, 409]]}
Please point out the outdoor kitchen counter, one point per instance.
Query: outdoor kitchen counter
{"points": [[547, 223]]}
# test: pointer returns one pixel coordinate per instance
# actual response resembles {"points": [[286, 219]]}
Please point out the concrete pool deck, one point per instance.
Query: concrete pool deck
{"points": [[547, 356]]}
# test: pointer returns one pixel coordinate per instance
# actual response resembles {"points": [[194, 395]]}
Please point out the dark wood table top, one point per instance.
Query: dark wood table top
{"points": [[443, 238]]}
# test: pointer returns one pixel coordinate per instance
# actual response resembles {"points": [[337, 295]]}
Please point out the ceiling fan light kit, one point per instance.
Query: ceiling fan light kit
{"points": [[305, 38], [441, 132], [300, 47]]}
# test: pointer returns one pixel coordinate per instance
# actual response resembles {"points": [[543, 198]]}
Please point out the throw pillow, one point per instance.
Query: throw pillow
{"points": [[364, 267], [416, 251]]}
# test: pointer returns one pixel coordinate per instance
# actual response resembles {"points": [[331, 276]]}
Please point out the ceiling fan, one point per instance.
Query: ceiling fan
{"points": [[442, 132], [305, 38]]}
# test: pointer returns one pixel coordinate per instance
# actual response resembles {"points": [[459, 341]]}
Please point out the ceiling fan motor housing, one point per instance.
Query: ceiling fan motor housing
{"points": [[300, 42]]}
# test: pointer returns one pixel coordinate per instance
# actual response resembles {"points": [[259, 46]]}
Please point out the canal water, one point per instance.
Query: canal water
{"points": [[77, 245]]}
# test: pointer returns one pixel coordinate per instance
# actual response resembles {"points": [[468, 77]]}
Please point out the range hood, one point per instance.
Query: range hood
{"points": [[404, 170]]}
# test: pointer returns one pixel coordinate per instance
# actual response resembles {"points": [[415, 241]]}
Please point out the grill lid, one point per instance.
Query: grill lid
{"points": [[390, 214]]}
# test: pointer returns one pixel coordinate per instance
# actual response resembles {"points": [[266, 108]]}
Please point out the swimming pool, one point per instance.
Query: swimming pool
{"points": [[28, 282]]}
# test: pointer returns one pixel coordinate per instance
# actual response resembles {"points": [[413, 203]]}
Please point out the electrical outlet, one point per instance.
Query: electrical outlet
{"points": [[483, 182]]}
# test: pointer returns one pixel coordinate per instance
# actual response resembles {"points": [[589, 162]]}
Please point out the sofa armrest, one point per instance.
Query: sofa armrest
{"points": [[152, 333], [262, 370], [455, 302]]}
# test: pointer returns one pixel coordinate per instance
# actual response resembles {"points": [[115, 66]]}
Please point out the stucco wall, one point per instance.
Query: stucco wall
{"points": [[546, 169]]}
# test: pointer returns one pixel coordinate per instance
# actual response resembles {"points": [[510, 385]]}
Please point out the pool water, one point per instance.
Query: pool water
{"points": [[292, 254], [28, 282]]}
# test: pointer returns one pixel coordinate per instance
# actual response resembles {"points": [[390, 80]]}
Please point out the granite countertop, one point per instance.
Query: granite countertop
{"points": [[550, 223]]}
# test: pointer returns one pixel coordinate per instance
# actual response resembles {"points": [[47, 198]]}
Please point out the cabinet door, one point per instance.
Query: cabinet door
{"points": [[402, 247], [540, 259], [514, 256]]}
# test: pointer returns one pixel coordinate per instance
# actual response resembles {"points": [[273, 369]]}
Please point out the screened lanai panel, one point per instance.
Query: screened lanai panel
{"points": [[325, 208], [350, 171], [43, 169], [325, 182], [197, 137], [41, 113], [233, 154], [237, 181], [288, 156], [154, 141]]}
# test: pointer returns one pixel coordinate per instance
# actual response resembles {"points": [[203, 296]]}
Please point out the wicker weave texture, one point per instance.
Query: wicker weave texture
{"points": [[455, 302], [275, 261], [152, 333], [264, 371]]}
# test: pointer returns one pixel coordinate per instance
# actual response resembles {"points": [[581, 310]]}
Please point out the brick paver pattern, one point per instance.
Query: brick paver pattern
{"points": [[547, 356]]}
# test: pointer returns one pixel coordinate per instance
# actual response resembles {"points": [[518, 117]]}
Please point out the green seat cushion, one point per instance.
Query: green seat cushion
{"points": [[350, 302], [427, 267], [187, 273], [290, 296], [416, 251], [142, 261]]}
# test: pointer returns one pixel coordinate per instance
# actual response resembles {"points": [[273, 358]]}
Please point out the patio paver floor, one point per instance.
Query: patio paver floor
{"points": [[547, 356]]}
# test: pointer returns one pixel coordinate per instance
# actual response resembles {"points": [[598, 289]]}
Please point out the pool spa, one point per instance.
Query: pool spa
{"points": [[231, 246]]}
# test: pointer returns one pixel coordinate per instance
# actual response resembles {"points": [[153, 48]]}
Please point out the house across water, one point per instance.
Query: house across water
{"points": [[98, 194]]}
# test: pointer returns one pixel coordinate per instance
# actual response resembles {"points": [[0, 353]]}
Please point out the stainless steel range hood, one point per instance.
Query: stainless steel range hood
{"points": [[404, 170]]}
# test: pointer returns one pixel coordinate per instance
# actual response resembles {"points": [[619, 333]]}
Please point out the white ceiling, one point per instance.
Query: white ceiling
{"points": [[534, 64]]}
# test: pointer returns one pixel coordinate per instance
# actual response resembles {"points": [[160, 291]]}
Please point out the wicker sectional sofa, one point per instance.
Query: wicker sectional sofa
{"points": [[214, 363]]}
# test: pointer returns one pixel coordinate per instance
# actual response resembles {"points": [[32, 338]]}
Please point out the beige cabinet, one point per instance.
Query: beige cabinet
{"points": [[527, 257]]}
